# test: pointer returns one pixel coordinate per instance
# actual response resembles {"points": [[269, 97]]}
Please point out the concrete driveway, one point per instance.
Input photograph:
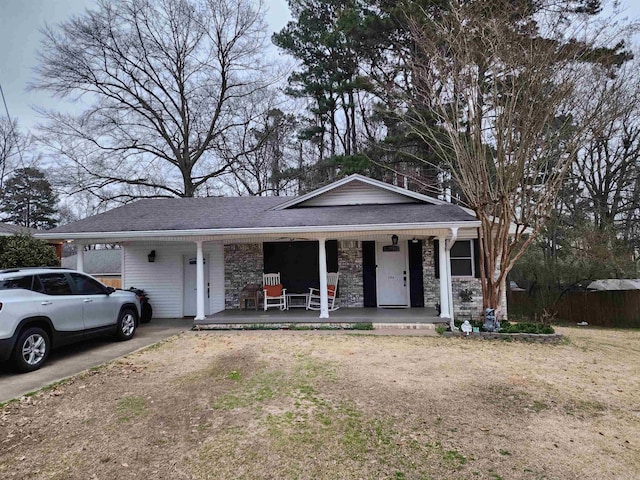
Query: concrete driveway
{"points": [[68, 361]]}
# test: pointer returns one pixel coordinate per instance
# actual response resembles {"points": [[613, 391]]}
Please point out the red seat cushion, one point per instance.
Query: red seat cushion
{"points": [[274, 290], [331, 290]]}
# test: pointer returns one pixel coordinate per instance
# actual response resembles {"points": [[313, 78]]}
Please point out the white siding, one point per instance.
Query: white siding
{"points": [[356, 193], [163, 279]]}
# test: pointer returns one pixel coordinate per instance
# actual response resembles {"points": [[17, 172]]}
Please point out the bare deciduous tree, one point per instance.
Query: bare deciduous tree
{"points": [[12, 143], [607, 166], [501, 80], [163, 79]]}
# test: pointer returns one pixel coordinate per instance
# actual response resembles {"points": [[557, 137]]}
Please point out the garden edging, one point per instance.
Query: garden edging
{"points": [[523, 337]]}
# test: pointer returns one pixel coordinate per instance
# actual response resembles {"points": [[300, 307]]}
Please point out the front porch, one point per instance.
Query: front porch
{"points": [[377, 316]]}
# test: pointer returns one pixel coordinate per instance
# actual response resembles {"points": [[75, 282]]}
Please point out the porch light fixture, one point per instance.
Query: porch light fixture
{"points": [[152, 256], [394, 245]]}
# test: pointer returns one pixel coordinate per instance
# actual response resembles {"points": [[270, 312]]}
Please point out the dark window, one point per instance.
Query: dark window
{"points": [[298, 264], [20, 282], [55, 284], [86, 285], [462, 259]]}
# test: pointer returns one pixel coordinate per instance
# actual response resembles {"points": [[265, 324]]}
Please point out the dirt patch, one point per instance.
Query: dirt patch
{"points": [[314, 406]]}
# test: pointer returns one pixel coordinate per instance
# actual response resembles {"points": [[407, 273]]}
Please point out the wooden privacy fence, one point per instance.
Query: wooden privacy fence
{"points": [[614, 308], [111, 282]]}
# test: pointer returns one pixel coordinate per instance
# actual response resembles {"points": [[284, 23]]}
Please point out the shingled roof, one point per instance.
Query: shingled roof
{"points": [[9, 229], [180, 214]]}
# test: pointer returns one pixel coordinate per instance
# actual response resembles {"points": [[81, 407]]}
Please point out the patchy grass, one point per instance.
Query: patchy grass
{"points": [[130, 407], [310, 405]]}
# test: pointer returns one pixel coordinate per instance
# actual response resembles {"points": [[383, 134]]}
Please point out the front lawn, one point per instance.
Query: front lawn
{"points": [[326, 405]]}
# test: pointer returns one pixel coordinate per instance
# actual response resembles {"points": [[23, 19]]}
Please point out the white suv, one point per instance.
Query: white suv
{"points": [[42, 308]]}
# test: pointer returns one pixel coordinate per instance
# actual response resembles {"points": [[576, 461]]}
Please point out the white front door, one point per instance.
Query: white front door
{"points": [[392, 275], [190, 286]]}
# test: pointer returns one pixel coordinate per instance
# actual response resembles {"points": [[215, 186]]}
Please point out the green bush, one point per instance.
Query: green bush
{"points": [[507, 327], [363, 326], [25, 251], [540, 328]]}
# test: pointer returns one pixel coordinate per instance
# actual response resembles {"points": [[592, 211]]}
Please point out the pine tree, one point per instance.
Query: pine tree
{"points": [[29, 200]]}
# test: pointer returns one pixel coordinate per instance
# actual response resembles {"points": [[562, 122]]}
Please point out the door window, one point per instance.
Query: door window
{"points": [[55, 284], [85, 285]]}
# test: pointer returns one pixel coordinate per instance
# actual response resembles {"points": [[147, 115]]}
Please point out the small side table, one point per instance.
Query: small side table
{"points": [[250, 293], [297, 300]]}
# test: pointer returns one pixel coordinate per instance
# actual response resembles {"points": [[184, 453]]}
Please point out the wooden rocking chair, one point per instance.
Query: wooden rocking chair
{"points": [[313, 303], [274, 294]]}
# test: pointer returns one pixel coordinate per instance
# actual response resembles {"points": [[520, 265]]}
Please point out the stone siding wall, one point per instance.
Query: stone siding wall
{"points": [[432, 287], [462, 309], [243, 264], [431, 283], [350, 267]]}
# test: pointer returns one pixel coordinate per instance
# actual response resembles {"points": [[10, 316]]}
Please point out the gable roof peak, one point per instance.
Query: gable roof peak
{"points": [[384, 187]]}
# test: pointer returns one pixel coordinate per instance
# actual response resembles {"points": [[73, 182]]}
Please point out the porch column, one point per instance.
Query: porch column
{"points": [[445, 284], [450, 290], [324, 298], [199, 282], [452, 241], [80, 258]]}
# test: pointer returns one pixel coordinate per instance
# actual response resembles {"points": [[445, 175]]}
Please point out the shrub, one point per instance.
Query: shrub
{"points": [[25, 251], [363, 326], [539, 328]]}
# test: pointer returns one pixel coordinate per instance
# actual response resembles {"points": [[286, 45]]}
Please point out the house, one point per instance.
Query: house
{"points": [[615, 284], [394, 248], [105, 264], [7, 229]]}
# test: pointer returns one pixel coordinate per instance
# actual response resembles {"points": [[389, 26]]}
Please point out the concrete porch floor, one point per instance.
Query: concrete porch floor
{"points": [[343, 315]]}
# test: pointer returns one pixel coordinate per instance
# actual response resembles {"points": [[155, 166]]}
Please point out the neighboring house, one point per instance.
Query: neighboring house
{"points": [[9, 229], [104, 264], [394, 248], [615, 284]]}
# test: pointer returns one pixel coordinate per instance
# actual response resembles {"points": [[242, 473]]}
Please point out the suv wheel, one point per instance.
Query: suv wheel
{"points": [[126, 324], [31, 350]]}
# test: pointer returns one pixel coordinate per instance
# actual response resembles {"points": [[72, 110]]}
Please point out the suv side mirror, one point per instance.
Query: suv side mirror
{"points": [[109, 290]]}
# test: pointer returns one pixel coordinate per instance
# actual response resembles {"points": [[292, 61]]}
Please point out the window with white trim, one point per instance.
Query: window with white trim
{"points": [[462, 264]]}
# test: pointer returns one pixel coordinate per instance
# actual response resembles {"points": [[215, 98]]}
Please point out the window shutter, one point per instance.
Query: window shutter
{"points": [[436, 257]]}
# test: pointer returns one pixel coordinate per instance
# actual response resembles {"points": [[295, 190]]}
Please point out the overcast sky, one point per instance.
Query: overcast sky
{"points": [[20, 21]]}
